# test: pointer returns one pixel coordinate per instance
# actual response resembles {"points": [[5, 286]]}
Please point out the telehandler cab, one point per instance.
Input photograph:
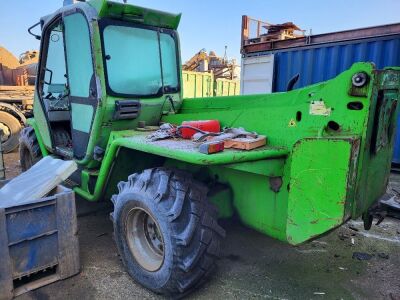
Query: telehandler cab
{"points": [[109, 73]]}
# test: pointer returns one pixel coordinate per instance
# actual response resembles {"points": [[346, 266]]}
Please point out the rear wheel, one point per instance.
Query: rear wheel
{"points": [[11, 128], [166, 230], [29, 150]]}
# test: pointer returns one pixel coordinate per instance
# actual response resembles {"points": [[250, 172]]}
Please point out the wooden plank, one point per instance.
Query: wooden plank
{"points": [[246, 143], [28, 88]]}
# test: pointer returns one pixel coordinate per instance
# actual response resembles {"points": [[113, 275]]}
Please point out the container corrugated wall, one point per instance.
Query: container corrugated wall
{"points": [[202, 85], [324, 61], [227, 87], [197, 84]]}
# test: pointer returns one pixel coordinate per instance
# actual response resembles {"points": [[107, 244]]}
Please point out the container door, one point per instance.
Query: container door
{"points": [[257, 75], [81, 81]]}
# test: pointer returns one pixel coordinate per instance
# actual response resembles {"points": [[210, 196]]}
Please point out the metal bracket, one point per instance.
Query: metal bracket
{"points": [[38, 37]]}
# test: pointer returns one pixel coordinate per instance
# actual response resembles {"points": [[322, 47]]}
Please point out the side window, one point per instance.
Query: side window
{"points": [[169, 61], [54, 78], [79, 58]]}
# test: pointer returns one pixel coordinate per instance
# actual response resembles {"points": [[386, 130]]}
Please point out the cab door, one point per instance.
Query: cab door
{"points": [[51, 83], [81, 80]]}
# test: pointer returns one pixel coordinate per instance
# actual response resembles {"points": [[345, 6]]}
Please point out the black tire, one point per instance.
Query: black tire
{"points": [[12, 126], [187, 224], [29, 150]]}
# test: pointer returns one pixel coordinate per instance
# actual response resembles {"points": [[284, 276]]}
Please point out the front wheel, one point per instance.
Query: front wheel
{"points": [[166, 230], [29, 149]]}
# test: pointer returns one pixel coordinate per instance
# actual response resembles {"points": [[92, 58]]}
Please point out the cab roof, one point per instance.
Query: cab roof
{"points": [[96, 9], [135, 13]]}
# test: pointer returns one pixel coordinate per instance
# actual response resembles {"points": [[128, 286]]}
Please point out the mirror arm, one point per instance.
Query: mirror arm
{"points": [[31, 33]]}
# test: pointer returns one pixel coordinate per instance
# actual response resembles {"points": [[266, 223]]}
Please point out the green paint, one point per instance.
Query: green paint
{"points": [[327, 193], [318, 187], [43, 150], [82, 115], [184, 151], [221, 197], [40, 122], [323, 163], [136, 14]]}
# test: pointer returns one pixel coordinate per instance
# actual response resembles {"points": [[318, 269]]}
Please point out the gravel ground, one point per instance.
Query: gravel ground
{"points": [[252, 266]]}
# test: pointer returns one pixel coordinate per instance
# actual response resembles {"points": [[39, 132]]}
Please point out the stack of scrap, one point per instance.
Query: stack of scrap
{"points": [[281, 32]]}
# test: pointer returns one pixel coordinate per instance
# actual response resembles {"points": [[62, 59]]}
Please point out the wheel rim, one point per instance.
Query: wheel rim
{"points": [[145, 240], [6, 132]]}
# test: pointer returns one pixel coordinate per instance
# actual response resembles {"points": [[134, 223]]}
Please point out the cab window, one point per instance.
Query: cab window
{"points": [[54, 80]]}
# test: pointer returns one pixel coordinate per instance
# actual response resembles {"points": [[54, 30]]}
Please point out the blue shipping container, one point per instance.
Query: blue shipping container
{"points": [[320, 62]]}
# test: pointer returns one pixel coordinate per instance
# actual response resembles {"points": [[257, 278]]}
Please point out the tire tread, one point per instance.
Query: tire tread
{"points": [[196, 233], [29, 141]]}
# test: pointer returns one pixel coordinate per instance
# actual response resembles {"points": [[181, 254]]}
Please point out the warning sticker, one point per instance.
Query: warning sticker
{"points": [[318, 108]]}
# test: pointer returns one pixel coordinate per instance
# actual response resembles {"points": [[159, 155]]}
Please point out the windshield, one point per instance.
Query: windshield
{"points": [[140, 61]]}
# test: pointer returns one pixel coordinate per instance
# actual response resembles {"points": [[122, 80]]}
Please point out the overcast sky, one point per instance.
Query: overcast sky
{"points": [[212, 24]]}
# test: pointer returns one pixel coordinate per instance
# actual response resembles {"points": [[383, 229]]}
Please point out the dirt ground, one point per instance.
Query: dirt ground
{"points": [[253, 265]]}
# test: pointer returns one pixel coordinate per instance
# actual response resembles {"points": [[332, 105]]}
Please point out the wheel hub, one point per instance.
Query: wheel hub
{"points": [[144, 239], [6, 132], [153, 235]]}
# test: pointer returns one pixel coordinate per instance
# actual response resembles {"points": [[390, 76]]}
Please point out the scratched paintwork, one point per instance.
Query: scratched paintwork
{"points": [[317, 170], [188, 151], [285, 214], [318, 187]]}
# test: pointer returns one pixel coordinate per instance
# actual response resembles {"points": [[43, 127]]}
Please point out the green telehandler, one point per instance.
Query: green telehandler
{"points": [[109, 73]]}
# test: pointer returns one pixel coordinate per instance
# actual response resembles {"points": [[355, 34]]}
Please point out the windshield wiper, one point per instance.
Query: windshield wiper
{"points": [[169, 89], [171, 101]]}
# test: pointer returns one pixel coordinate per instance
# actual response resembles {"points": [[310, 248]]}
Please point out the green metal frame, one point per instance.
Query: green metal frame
{"points": [[327, 158]]}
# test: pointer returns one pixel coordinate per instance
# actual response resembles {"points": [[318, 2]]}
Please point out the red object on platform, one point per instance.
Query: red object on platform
{"points": [[204, 125]]}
